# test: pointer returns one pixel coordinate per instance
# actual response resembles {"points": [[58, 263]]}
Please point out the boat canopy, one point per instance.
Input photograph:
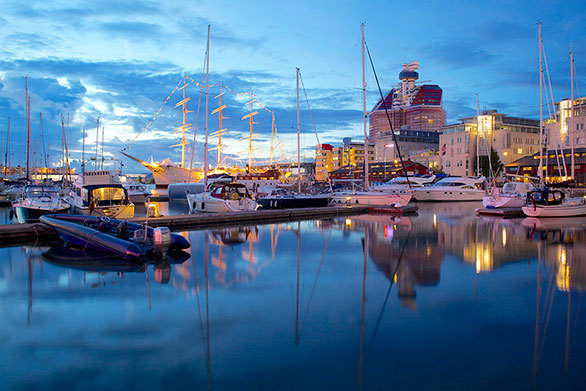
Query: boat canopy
{"points": [[546, 197]]}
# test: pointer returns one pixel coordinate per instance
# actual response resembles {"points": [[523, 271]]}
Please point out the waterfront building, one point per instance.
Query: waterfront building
{"points": [[510, 137], [417, 106], [323, 161], [410, 142], [350, 154], [560, 128], [553, 166]]}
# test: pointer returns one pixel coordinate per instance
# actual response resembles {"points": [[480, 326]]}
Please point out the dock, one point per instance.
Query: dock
{"points": [[35, 234], [507, 213]]}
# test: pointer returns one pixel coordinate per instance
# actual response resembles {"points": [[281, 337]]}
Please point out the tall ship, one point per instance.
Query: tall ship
{"points": [[166, 172]]}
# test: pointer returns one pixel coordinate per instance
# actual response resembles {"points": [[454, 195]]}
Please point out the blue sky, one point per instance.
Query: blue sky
{"points": [[120, 60]]}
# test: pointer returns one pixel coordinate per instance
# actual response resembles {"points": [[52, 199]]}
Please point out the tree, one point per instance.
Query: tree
{"points": [[495, 162]]}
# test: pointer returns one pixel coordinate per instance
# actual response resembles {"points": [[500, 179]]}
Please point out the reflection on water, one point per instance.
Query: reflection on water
{"points": [[442, 300]]}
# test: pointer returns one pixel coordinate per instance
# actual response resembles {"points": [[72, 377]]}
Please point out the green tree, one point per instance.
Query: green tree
{"points": [[495, 162]]}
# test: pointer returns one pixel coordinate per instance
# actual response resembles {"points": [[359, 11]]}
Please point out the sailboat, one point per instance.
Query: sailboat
{"points": [[545, 202], [277, 200], [369, 197]]}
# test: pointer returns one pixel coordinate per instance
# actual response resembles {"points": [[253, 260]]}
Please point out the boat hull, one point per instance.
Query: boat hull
{"points": [[371, 198], [294, 202], [118, 212], [492, 202], [436, 195], [31, 215], [564, 210], [206, 203]]}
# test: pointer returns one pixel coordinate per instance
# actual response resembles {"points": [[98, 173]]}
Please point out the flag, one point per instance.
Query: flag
{"points": [[444, 149]]}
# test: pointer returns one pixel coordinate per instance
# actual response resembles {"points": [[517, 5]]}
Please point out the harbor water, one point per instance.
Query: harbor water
{"points": [[441, 300]]}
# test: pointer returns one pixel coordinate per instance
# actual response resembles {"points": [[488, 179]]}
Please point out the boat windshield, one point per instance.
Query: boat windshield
{"points": [[449, 184]]}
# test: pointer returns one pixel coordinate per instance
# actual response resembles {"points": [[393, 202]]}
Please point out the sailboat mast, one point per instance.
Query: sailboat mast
{"points": [[7, 158], [97, 141], [540, 109], [102, 162], [250, 137], [366, 170], [83, 152], [67, 150], [28, 127], [220, 128], [205, 146], [184, 109], [298, 139], [477, 137], [272, 135], [571, 119], [43, 142]]}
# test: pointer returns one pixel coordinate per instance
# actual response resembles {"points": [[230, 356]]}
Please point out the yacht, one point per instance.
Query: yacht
{"points": [[453, 189], [38, 200], [222, 197], [137, 192], [512, 195], [401, 184], [100, 193], [553, 203]]}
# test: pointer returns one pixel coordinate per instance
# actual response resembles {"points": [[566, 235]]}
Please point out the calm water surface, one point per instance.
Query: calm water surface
{"points": [[442, 300]]}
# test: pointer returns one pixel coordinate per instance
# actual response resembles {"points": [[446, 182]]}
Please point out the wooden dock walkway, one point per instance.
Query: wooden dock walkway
{"points": [[507, 213], [39, 233]]}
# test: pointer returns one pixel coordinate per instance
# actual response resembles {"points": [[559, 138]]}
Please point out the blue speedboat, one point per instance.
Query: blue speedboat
{"points": [[116, 237]]}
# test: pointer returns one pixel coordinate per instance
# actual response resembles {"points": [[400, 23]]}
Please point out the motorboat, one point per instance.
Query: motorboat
{"points": [[100, 193], [38, 200], [553, 203], [453, 189], [350, 197], [512, 195], [403, 184], [137, 192], [278, 198], [115, 237], [222, 197]]}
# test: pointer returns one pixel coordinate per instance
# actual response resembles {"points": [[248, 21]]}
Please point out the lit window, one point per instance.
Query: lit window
{"points": [[520, 151]]}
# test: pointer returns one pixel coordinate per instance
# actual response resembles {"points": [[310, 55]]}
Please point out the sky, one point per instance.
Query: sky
{"points": [[120, 61]]}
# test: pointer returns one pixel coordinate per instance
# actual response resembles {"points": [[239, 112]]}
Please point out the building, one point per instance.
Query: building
{"points": [[411, 142], [323, 161], [553, 166], [560, 130], [511, 137], [417, 106]]}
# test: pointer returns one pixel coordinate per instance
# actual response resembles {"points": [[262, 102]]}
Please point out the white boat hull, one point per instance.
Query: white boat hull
{"points": [[370, 198], [492, 202], [566, 209], [431, 194], [207, 203]]}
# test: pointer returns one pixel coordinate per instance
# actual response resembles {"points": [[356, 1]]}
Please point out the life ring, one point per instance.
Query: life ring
{"points": [[234, 196]]}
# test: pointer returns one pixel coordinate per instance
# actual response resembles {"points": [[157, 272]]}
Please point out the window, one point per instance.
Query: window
{"points": [[520, 151]]}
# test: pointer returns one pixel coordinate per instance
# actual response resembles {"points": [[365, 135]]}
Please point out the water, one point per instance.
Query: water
{"points": [[444, 300]]}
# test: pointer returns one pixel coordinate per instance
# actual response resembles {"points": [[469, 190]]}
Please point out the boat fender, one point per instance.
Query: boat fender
{"points": [[203, 205], [11, 214]]}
